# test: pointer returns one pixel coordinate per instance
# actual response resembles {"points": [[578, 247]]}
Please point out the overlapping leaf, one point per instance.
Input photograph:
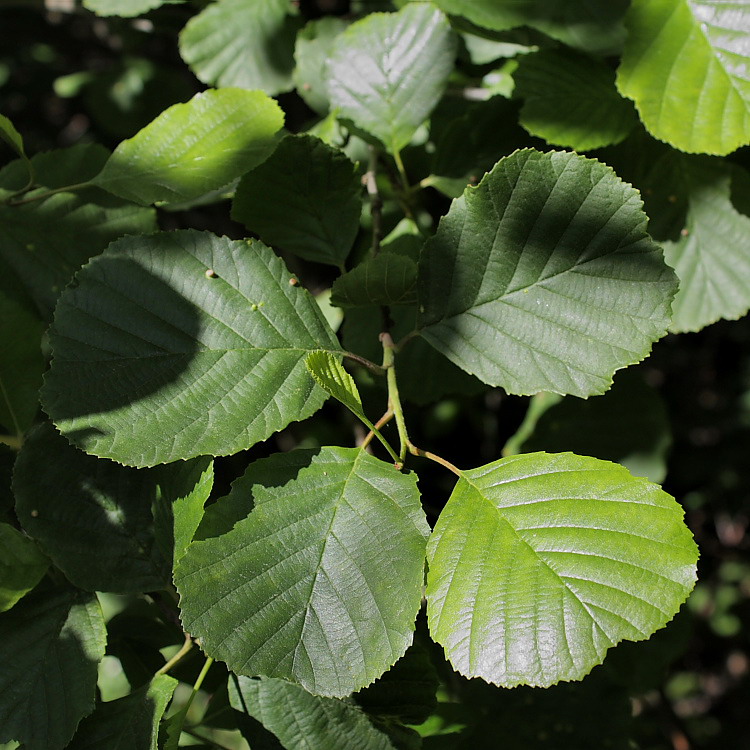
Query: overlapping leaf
{"points": [[22, 566], [386, 279], [321, 583], [542, 278], [192, 148], [245, 44], [540, 563], [388, 71], [50, 645], [193, 345], [685, 65]]}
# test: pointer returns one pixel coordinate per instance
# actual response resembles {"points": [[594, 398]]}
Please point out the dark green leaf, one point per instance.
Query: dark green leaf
{"points": [[321, 583], [386, 279], [305, 198], [50, 645], [542, 278], [22, 566], [194, 345]]}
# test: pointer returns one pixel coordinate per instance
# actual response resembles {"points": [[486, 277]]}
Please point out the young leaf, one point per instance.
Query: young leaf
{"points": [[685, 67], [245, 44], [540, 563], [571, 100], [192, 148], [331, 376], [305, 198], [193, 345], [703, 234], [129, 723], [93, 517], [386, 279], [321, 583], [50, 645], [13, 138], [125, 8], [388, 71], [22, 566], [542, 278], [291, 713]]}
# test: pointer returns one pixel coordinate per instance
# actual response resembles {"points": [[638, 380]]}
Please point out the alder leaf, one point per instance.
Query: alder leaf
{"points": [[387, 71], [331, 376], [321, 583], [193, 345], [571, 100], [128, 723], [50, 645], [540, 563], [685, 66], [305, 198], [245, 44], [193, 148], [13, 138], [22, 566], [386, 279], [542, 278]]}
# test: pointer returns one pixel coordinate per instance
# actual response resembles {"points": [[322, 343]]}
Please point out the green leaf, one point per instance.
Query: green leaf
{"points": [[245, 44], [12, 137], [47, 241], [571, 100], [125, 8], [193, 148], [321, 583], [704, 236], [311, 52], [305, 198], [194, 345], [542, 278], [331, 376], [129, 723], [388, 71], [50, 645], [589, 25], [22, 566], [540, 563], [93, 517], [293, 715], [386, 279], [685, 67]]}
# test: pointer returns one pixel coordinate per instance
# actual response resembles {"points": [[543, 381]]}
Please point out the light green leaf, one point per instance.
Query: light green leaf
{"points": [[45, 242], [321, 583], [50, 645], [386, 279], [125, 8], [589, 25], [295, 716], [540, 563], [571, 100], [194, 345], [542, 278], [93, 517], [245, 44], [11, 136], [22, 566], [388, 71], [129, 723], [331, 376], [311, 52], [193, 148], [703, 234], [305, 198], [685, 66]]}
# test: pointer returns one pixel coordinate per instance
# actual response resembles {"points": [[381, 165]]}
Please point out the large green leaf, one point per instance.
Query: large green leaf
{"points": [[388, 71], [542, 278], [590, 25], [245, 44], [691, 200], [193, 148], [50, 645], [540, 563], [129, 723], [321, 583], [685, 65], [22, 566], [299, 719], [305, 198], [93, 517], [193, 345], [45, 242], [571, 100]]}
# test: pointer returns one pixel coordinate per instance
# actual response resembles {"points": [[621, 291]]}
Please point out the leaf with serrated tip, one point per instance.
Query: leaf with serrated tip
{"points": [[331, 376]]}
